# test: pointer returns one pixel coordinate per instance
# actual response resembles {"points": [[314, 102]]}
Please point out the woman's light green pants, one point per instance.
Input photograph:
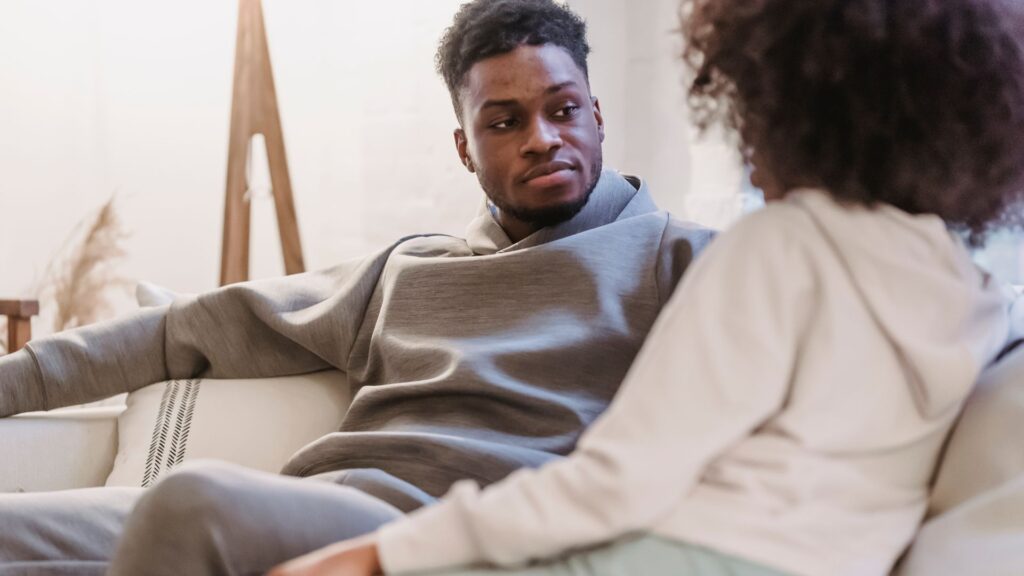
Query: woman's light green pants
{"points": [[643, 556]]}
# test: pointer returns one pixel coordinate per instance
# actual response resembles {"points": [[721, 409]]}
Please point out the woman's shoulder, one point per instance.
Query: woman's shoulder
{"points": [[810, 215], [782, 222]]}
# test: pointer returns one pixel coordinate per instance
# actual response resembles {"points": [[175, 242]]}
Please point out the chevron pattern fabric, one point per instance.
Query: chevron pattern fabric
{"points": [[169, 441]]}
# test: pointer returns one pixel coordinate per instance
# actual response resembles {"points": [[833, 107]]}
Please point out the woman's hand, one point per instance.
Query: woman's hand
{"points": [[356, 557]]}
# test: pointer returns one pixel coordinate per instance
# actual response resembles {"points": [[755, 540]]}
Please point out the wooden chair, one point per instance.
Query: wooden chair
{"points": [[19, 315]]}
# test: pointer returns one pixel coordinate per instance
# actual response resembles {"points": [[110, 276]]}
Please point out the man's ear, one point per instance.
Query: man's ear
{"points": [[596, 105], [461, 146]]}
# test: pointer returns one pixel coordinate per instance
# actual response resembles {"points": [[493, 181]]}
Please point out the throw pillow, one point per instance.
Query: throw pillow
{"points": [[148, 294], [258, 423], [984, 449], [977, 508]]}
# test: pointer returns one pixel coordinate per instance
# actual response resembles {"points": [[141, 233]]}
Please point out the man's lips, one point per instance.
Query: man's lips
{"points": [[546, 169]]}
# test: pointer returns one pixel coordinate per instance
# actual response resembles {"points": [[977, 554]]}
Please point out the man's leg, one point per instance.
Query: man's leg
{"points": [[219, 519], [58, 533]]}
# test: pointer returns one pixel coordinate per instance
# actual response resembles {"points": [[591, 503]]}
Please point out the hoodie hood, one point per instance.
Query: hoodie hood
{"points": [[614, 197], [945, 317]]}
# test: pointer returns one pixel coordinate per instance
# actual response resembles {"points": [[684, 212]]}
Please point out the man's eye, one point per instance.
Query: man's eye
{"points": [[503, 124], [567, 111]]}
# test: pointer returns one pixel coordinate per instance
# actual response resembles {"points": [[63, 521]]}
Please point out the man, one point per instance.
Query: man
{"points": [[471, 357]]}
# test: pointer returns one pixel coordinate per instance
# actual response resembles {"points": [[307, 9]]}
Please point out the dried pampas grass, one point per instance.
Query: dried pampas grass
{"points": [[81, 284]]}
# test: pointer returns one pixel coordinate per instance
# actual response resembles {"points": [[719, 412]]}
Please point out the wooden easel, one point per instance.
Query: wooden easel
{"points": [[254, 111]]}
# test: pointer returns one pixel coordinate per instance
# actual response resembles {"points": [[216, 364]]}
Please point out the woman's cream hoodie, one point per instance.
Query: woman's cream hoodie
{"points": [[788, 407]]}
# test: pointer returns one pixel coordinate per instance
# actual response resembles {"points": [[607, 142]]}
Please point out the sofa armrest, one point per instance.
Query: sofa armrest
{"points": [[56, 450]]}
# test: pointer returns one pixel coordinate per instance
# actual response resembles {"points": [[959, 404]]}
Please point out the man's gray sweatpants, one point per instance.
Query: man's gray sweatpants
{"points": [[202, 519]]}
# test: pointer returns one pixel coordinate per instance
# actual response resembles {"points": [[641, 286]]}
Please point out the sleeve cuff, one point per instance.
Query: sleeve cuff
{"points": [[21, 386]]}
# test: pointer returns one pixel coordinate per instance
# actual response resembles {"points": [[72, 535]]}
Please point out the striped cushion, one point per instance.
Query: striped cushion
{"points": [[171, 429], [258, 423]]}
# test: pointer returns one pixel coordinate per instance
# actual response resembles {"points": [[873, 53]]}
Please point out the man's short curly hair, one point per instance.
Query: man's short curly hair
{"points": [[486, 28], [915, 103]]}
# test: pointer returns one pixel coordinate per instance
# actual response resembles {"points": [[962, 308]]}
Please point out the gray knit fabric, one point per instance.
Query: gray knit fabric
{"points": [[468, 357]]}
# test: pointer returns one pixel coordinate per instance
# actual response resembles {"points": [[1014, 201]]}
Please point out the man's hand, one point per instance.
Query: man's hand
{"points": [[356, 557]]}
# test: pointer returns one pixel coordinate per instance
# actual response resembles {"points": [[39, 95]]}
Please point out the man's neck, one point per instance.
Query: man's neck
{"points": [[514, 228]]}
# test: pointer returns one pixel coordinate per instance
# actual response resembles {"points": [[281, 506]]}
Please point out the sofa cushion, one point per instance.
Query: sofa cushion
{"points": [[976, 523], [258, 423], [985, 448]]}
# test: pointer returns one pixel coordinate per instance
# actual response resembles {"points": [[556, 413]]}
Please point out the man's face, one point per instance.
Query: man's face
{"points": [[532, 134]]}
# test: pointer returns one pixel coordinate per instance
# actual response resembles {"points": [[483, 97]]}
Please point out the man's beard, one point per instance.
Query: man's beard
{"points": [[551, 215]]}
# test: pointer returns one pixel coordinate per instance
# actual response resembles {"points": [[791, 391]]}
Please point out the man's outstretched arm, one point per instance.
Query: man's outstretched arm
{"points": [[83, 364], [264, 328]]}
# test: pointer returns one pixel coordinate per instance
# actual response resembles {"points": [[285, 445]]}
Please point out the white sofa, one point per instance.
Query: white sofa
{"points": [[78, 447], [71, 448], [257, 423]]}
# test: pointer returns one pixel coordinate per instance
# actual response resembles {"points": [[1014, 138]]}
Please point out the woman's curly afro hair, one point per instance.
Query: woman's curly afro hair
{"points": [[915, 103]]}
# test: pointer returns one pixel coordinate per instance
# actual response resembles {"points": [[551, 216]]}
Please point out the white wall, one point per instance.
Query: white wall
{"points": [[133, 97], [637, 71]]}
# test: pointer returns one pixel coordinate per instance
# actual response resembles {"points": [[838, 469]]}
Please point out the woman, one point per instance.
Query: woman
{"points": [[788, 409]]}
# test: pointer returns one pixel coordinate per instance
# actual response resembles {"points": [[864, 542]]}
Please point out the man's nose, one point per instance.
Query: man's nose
{"points": [[541, 138]]}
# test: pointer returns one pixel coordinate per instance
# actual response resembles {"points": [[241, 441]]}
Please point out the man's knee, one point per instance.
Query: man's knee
{"points": [[197, 495]]}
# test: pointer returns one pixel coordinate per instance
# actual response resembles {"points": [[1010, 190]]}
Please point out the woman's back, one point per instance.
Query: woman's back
{"points": [[787, 407], [892, 326]]}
